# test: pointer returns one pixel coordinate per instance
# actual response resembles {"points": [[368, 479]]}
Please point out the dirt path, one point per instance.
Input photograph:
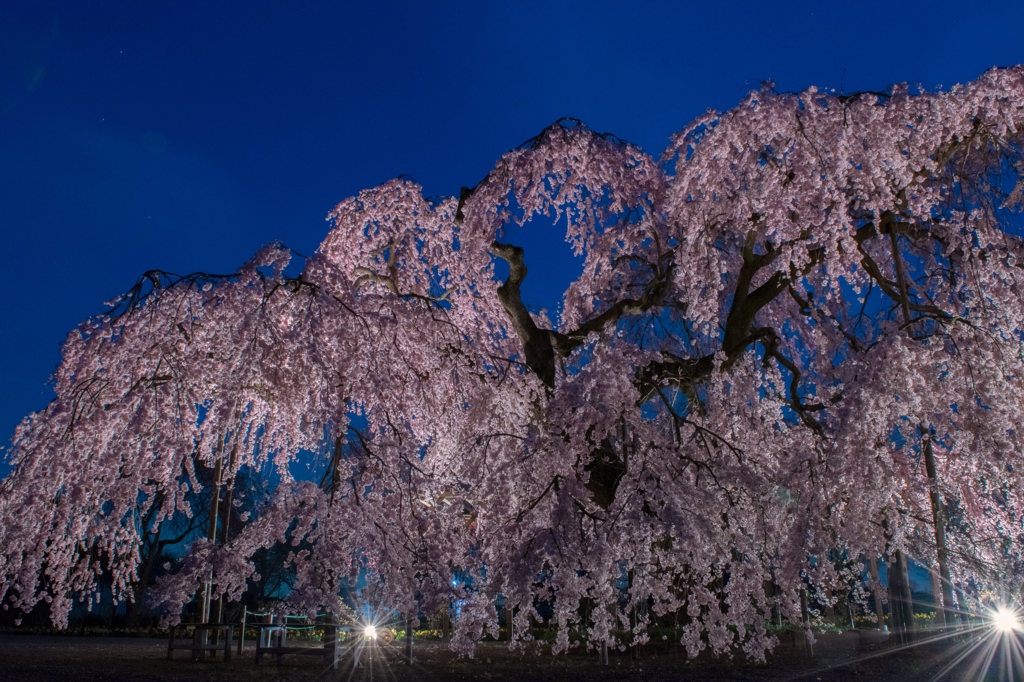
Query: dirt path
{"points": [[37, 658]]}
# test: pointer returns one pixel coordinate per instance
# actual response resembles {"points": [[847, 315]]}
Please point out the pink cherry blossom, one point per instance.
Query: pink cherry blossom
{"points": [[769, 325]]}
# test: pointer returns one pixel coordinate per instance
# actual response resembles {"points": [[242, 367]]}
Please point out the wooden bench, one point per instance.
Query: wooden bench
{"points": [[273, 640], [200, 642]]}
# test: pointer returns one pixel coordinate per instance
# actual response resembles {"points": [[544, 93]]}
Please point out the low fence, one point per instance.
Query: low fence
{"points": [[201, 641], [272, 638]]}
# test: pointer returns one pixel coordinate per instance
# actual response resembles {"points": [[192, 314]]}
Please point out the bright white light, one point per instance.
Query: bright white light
{"points": [[1005, 620], [370, 632]]}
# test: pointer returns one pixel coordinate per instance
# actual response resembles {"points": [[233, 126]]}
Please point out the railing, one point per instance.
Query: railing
{"points": [[245, 617], [200, 642], [272, 639]]}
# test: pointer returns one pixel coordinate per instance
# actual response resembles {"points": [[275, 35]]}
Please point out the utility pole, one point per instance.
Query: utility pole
{"points": [[939, 521], [212, 535]]}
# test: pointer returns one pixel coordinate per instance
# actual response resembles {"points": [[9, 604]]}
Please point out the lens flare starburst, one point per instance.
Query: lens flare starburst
{"points": [[1005, 620]]}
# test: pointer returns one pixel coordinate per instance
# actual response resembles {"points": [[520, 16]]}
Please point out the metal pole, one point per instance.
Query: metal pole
{"points": [[965, 619], [214, 508], [876, 589], [906, 598], [939, 520], [409, 640], [895, 598], [333, 625], [940, 616], [806, 617], [241, 635]]}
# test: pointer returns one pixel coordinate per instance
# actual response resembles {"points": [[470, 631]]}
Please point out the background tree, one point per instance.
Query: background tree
{"points": [[769, 325], [155, 543]]}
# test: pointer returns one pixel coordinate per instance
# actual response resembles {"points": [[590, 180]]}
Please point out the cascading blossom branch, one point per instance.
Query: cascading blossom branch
{"points": [[774, 327]]}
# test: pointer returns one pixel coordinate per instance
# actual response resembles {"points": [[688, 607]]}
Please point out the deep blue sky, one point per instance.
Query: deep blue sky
{"points": [[184, 135]]}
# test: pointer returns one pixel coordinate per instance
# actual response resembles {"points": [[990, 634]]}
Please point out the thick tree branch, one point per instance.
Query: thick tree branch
{"points": [[540, 355], [540, 344]]}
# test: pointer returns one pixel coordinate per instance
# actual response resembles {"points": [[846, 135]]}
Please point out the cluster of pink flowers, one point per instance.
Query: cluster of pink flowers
{"points": [[769, 324]]}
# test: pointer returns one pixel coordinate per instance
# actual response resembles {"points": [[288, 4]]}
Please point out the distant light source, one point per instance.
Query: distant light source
{"points": [[1005, 620], [370, 632]]}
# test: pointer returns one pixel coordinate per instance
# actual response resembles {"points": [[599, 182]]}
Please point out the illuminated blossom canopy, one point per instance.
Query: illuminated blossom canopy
{"points": [[771, 322]]}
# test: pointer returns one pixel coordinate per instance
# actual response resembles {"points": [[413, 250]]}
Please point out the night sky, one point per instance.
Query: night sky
{"points": [[184, 135]]}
